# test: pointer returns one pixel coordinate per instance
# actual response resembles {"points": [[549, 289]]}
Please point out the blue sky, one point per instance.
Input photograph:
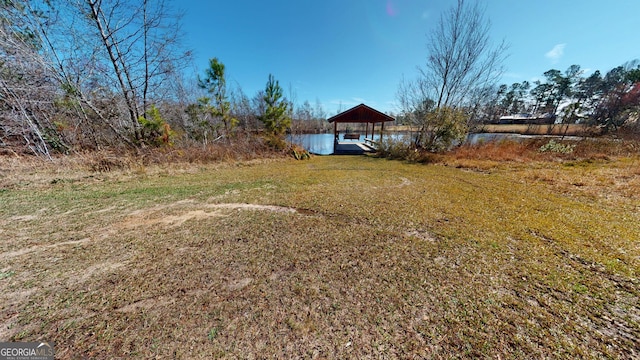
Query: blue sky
{"points": [[346, 52]]}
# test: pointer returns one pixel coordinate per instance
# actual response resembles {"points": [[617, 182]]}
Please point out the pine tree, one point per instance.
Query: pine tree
{"points": [[275, 116], [216, 85]]}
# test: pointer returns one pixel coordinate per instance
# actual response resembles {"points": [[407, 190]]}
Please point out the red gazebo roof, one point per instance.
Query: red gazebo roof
{"points": [[361, 114]]}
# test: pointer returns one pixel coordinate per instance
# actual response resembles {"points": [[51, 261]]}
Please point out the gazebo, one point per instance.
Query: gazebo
{"points": [[360, 114]]}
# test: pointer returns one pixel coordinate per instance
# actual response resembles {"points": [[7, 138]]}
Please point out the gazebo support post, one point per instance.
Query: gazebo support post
{"points": [[335, 136]]}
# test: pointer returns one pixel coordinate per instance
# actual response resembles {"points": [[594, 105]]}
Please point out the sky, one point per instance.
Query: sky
{"points": [[345, 52]]}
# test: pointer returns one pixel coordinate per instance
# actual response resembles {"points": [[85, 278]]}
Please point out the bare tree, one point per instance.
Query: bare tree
{"points": [[259, 107], [414, 100], [461, 57], [241, 109], [106, 63], [461, 64], [318, 111], [415, 105], [137, 38], [26, 90]]}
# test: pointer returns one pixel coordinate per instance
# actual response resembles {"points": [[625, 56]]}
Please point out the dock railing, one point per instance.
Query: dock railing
{"points": [[371, 143]]}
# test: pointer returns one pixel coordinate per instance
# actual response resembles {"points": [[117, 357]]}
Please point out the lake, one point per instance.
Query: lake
{"points": [[322, 144]]}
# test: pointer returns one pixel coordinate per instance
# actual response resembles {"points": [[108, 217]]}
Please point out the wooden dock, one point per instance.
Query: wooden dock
{"points": [[352, 148]]}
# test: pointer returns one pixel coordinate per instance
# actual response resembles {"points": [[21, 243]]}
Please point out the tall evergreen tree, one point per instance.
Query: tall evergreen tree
{"points": [[276, 116], [215, 84]]}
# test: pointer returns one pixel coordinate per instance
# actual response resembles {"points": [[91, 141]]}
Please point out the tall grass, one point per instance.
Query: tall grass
{"points": [[529, 150], [237, 149]]}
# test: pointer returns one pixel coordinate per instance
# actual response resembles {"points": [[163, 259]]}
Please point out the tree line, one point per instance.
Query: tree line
{"points": [[607, 101], [93, 74]]}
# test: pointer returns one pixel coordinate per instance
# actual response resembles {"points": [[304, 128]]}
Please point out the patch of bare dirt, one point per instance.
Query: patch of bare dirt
{"points": [[243, 206], [421, 234], [145, 217], [10, 254], [147, 304], [11, 302], [177, 220], [239, 284], [97, 269], [23, 217]]}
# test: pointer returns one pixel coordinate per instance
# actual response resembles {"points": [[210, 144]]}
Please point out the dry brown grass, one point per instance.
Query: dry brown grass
{"points": [[498, 151], [527, 151], [236, 149], [336, 257], [553, 129], [601, 168], [16, 169]]}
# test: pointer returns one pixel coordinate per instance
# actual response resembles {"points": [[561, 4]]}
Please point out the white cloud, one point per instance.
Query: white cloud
{"points": [[556, 53]]}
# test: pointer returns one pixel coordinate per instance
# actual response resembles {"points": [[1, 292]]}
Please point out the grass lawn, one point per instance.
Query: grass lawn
{"points": [[334, 257]]}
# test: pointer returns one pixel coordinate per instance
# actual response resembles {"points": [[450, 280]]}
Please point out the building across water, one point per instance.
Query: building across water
{"points": [[542, 119]]}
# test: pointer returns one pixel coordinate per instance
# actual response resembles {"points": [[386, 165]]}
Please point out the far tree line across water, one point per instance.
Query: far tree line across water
{"points": [[608, 100]]}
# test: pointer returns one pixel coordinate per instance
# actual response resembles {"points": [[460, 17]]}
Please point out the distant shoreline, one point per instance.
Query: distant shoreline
{"points": [[523, 129]]}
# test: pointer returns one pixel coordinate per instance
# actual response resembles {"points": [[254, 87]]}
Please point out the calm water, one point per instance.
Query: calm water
{"points": [[322, 144]]}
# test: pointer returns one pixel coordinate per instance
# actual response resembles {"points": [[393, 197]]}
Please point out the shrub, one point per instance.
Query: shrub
{"points": [[442, 128], [107, 162], [555, 147], [155, 129], [394, 148], [276, 142], [403, 149], [299, 153]]}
